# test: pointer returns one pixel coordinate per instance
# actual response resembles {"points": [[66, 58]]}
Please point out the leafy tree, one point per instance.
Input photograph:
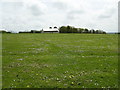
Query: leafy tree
{"points": [[63, 29], [70, 29], [75, 30], [94, 31], [86, 30]]}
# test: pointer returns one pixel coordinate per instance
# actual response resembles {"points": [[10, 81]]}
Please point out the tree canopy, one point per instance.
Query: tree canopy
{"points": [[71, 29]]}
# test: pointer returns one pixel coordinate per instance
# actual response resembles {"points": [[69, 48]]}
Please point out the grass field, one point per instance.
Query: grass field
{"points": [[60, 60]]}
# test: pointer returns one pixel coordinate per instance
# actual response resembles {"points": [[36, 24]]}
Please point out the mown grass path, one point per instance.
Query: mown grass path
{"points": [[60, 60]]}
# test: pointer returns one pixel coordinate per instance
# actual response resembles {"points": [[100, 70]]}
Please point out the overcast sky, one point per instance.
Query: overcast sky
{"points": [[19, 15]]}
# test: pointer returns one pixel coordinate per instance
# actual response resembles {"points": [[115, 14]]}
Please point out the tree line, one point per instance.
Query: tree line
{"points": [[70, 29], [64, 29], [3, 31]]}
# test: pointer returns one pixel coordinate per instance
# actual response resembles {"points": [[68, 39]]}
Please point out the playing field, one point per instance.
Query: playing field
{"points": [[60, 60]]}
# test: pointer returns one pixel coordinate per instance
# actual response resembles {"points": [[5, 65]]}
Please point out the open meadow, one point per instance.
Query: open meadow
{"points": [[60, 60]]}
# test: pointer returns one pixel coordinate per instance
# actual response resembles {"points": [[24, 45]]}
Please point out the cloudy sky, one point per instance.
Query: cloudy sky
{"points": [[17, 15]]}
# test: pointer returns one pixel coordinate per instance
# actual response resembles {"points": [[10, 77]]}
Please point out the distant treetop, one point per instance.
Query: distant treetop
{"points": [[71, 29]]}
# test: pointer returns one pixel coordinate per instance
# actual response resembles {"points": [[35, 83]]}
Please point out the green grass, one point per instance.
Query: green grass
{"points": [[60, 60]]}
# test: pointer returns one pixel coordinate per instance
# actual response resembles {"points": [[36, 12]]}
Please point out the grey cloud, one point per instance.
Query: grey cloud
{"points": [[70, 17], [74, 14], [119, 16], [11, 12], [59, 5], [11, 5], [32, 14], [104, 16], [35, 10], [107, 14]]}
